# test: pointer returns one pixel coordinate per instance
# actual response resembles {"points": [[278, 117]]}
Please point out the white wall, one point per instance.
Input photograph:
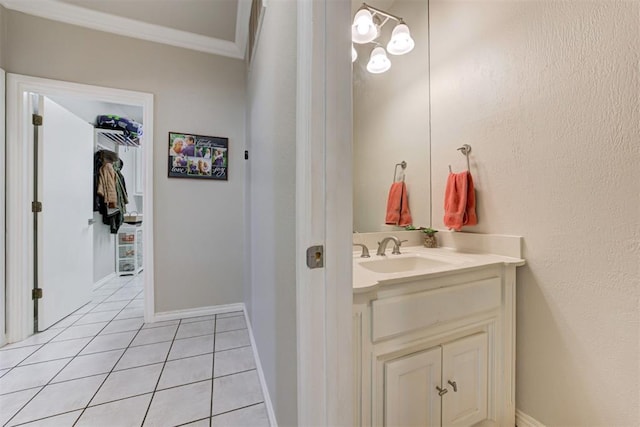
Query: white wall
{"points": [[3, 31], [272, 130], [546, 93], [391, 124], [198, 224]]}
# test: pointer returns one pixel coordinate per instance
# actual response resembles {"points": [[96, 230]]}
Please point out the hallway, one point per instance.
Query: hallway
{"points": [[103, 366]]}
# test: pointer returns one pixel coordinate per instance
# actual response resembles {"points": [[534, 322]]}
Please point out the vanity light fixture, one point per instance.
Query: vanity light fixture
{"points": [[366, 29]]}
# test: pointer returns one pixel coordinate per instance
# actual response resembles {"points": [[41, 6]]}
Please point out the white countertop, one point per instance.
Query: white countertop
{"points": [[449, 260]]}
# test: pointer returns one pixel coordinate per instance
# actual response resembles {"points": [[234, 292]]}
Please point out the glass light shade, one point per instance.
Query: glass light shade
{"points": [[378, 63], [401, 41], [363, 29], [354, 54]]}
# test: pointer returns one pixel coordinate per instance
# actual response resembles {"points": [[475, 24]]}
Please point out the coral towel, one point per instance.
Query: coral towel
{"points": [[459, 201], [398, 205]]}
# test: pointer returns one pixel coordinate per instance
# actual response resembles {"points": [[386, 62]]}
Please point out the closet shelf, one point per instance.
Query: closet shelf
{"points": [[116, 136]]}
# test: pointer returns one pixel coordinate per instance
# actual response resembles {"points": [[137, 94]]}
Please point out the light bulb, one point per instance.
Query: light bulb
{"points": [[401, 41], [378, 62], [363, 29], [354, 53]]}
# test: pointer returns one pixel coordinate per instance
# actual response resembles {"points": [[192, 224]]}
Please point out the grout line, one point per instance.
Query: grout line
{"points": [[195, 421], [44, 418], [235, 373], [213, 368], [234, 348], [195, 336], [160, 376], [232, 330], [238, 409]]}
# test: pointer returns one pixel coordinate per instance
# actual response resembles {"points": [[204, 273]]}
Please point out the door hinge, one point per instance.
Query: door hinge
{"points": [[246, 154], [36, 207], [36, 293], [36, 120], [315, 256]]}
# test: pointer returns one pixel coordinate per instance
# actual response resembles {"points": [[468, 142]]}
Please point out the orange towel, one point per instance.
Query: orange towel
{"points": [[398, 206], [459, 201]]}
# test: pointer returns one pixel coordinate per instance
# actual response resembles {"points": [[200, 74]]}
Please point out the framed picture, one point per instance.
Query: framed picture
{"points": [[198, 156]]}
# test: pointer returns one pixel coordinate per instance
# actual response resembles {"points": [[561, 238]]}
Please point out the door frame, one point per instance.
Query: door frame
{"points": [[19, 219], [324, 205]]}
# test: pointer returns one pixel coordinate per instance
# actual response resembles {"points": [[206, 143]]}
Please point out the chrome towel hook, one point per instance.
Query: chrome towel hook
{"points": [[465, 149], [403, 165]]}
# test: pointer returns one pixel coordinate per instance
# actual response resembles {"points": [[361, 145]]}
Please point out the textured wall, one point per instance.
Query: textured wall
{"points": [[546, 93], [272, 169], [198, 224], [3, 37], [391, 124]]}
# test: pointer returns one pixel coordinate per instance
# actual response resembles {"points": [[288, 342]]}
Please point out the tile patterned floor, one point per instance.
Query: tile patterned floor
{"points": [[103, 366]]}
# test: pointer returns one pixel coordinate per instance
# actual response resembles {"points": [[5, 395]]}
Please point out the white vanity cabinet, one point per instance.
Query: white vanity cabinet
{"points": [[437, 350]]}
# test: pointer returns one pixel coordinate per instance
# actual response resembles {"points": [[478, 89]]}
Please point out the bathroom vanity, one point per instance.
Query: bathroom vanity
{"points": [[434, 338]]}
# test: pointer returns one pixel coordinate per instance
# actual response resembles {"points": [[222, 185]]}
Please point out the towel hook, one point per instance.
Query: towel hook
{"points": [[465, 149], [403, 165]]}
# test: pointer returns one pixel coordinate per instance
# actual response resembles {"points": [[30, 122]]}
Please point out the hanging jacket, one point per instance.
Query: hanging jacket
{"points": [[111, 195]]}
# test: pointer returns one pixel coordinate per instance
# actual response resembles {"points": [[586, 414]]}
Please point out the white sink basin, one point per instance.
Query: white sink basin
{"points": [[402, 264]]}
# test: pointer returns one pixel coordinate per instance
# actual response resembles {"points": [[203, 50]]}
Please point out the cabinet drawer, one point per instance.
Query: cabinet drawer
{"points": [[398, 315]]}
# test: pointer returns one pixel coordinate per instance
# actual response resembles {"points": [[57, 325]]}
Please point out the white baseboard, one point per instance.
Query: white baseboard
{"points": [[265, 391], [524, 420], [104, 280], [196, 312]]}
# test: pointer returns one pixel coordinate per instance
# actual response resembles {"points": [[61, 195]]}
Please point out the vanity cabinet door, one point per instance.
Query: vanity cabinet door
{"points": [[464, 364], [410, 395]]}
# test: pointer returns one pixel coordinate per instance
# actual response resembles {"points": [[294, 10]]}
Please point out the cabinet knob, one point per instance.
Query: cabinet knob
{"points": [[454, 385], [441, 391]]}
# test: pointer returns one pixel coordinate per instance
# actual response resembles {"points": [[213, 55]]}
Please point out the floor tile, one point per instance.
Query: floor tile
{"points": [[194, 401], [39, 338], [3, 371], [91, 364], [191, 347], [254, 416], [123, 325], [122, 413], [128, 383], [67, 321], [58, 398], [10, 358], [109, 342], [85, 308], [185, 371], [154, 335], [11, 403], [236, 391], [129, 313], [110, 306], [160, 324], [230, 314], [198, 319], [24, 377], [194, 329], [143, 355], [230, 324], [95, 317], [62, 420], [57, 350], [233, 361], [81, 331], [233, 339], [136, 303]]}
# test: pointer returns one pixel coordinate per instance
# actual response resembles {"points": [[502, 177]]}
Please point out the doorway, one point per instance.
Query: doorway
{"points": [[23, 243]]}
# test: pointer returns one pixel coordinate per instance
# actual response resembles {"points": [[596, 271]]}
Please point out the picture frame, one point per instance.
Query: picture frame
{"points": [[198, 156]]}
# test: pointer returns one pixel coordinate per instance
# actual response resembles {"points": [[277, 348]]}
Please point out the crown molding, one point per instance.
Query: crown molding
{"points": [[76, 15]]}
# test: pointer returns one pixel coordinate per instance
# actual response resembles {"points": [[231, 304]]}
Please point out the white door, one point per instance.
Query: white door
{"points": [[65, 235], [410, 394], [464, 373]]}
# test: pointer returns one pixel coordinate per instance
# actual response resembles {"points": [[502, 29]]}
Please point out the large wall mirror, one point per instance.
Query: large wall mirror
{"points": [[391, 119]]}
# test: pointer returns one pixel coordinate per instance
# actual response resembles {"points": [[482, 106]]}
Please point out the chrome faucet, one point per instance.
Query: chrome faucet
{"points": [[365, 250], [382, 246]]}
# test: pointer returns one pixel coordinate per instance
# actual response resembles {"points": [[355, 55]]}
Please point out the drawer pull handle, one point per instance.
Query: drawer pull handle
{"points": [[441, 391], [454, 385]]}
